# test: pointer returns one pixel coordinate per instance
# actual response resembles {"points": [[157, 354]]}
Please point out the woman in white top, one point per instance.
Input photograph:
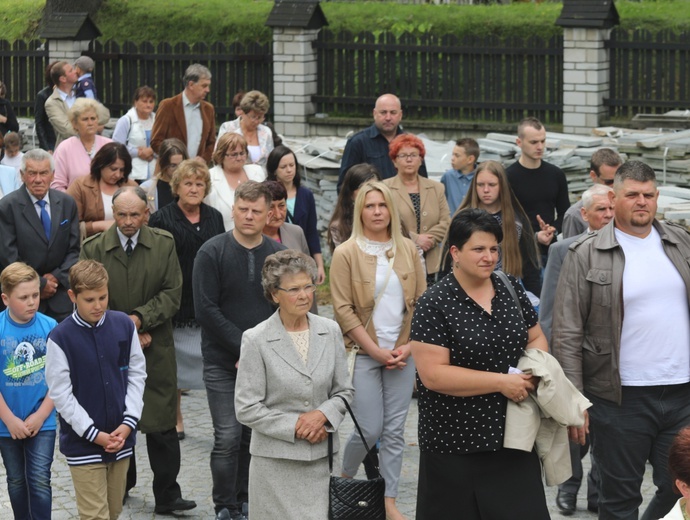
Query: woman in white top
{"points": [[134, 131], [376, 278], [254, 106], [230, 170]]}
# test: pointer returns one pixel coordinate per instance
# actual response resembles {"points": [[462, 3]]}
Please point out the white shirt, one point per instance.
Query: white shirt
{"points": [[192, 117], [390, 311], [655, 337], [34, 200], [123, 239], [69, 99]]}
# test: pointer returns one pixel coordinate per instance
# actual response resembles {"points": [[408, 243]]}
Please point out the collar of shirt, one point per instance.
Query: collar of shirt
{"points": [[84, 76], [123, 239], [34, 200], [187, 103], [65, 96], [465, 176]]}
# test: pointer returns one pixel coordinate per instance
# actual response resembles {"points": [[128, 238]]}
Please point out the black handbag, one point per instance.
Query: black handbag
{"points": [[355, 499]]}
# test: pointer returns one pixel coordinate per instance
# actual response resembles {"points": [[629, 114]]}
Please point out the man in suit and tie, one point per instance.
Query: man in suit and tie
{"points": [[596, 211], [40, 226], [187, 116]]}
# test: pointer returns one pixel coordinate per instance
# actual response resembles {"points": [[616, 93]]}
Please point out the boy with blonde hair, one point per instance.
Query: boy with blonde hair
{"points": [[27, 427], [96, 372]]}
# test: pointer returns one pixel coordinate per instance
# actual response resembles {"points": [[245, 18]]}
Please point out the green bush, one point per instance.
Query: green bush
{"points": [[244, 20]]}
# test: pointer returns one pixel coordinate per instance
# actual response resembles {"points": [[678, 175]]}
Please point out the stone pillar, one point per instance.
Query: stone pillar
{"points": [[66, 50], [585, 78], [294, 79]]}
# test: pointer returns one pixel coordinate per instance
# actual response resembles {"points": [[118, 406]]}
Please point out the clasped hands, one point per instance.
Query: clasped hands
{"points": [[392, 359], [115, 441], [311, 426]]}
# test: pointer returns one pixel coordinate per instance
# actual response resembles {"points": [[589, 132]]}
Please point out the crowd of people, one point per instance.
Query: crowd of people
{"points": [[173, 258]]}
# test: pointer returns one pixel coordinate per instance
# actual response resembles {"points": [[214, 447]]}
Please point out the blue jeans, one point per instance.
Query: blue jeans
{"points": [[230, 454], [642, 428], [27, 463]]}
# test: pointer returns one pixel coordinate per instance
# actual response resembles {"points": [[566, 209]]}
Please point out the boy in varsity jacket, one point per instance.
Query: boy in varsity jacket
{"points": [[96, 371]]}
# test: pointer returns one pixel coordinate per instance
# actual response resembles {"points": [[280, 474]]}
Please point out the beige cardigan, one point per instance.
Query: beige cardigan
{"points": [[541, 421], [435, 214], [353, 280]]}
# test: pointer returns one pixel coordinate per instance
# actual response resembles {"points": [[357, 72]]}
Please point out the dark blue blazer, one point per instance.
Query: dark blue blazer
{"points": [[305, 217]]}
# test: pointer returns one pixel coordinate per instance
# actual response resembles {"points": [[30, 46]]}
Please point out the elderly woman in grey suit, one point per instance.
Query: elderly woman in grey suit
{"points": [[292, 373]]}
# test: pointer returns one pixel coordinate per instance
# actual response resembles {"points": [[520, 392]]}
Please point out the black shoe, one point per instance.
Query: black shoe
{"points": [[223, 514], [179, 504], [566, 502], [592, 507]]}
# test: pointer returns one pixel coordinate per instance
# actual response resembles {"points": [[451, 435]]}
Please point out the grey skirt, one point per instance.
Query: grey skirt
{"points": [[280, 489], [188, 356]]}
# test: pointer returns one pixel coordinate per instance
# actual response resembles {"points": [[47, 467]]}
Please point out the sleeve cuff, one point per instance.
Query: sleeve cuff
{"points": [[130, 421], [91, 433]]}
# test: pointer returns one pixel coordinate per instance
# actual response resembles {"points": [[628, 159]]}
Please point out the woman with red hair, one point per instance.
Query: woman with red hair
{"points": [[679, 466], [421, 202]]}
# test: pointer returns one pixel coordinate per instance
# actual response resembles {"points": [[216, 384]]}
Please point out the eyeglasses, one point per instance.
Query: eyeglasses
{"points": [[607, 182], [236, 155], [256, 118], [293, 292], [407, 156]]}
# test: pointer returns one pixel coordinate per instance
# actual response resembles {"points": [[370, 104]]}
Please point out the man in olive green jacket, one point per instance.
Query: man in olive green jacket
{"points": [[146, 283]]}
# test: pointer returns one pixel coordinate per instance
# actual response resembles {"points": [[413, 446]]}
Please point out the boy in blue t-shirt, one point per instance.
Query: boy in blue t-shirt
{"points": [[27, 429], [458, 179], [96, 372]]}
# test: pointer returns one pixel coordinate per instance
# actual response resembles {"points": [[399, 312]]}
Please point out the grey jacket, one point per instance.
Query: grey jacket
{"points": [[274, 386], [552, 272], [588, 313]]}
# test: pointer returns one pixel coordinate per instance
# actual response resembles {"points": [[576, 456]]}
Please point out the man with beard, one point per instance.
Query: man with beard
{"points": [[621, 332]]}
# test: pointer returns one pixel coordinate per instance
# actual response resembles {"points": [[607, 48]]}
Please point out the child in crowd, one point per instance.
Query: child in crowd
{"points": [[96, 372], [85, 87], [13, 154], [457, 180], [27, 430]]}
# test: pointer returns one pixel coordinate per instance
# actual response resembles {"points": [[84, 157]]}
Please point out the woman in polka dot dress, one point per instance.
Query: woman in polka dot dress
{"points": [[467, 334]]}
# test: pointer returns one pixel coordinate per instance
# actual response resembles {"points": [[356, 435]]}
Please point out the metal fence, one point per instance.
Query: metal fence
{"points": [[650, 72], [22, 69], [442, 77]]}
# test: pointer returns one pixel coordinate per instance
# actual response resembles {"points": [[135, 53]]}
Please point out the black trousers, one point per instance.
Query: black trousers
{"points": [[164, 457], [494, 485]]}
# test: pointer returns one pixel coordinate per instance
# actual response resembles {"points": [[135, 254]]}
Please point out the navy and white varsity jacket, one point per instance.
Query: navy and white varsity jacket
{"points": [[96, 378]]}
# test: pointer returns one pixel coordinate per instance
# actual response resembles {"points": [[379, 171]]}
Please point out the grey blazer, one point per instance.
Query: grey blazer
{"points": [[22, 239], [274, 387], [557, 253]]}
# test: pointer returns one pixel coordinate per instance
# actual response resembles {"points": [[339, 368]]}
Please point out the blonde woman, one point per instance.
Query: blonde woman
{"points": [[376, 278]]}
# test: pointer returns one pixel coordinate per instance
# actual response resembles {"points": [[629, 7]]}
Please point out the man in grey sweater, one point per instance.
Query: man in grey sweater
{"points": [[228, 299]]}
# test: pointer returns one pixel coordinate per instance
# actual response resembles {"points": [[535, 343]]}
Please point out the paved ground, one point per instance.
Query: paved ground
{"points": [[195, 475]]}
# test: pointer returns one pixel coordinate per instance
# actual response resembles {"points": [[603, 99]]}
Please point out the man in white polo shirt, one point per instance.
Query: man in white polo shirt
{"points": [[621, 330]]}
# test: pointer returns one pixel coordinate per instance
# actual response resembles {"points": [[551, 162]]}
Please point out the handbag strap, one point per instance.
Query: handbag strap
{"points": [[361, 436], [511, 290]]}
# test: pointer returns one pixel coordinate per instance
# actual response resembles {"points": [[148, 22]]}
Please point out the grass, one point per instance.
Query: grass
{"points": [[243, 20]]}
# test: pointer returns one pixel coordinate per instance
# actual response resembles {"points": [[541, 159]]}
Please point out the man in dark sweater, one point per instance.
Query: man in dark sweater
{"points": [[228, 299], [540, 187]]}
